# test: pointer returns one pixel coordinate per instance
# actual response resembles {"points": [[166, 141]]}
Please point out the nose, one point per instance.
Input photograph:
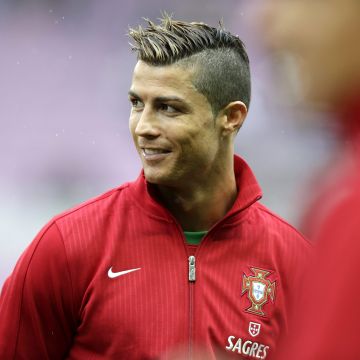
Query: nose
{"points": [[147, 125]]}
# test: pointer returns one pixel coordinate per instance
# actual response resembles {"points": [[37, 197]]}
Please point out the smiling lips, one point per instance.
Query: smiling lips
{"points": [[154, 154]]}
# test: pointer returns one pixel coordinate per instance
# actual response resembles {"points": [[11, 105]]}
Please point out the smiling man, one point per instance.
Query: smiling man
{"points": [[182, 263], [185, 148]]}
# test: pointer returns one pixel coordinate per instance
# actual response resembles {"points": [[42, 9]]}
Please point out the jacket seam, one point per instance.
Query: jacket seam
{"points": [[23, 286], [68, 266]]}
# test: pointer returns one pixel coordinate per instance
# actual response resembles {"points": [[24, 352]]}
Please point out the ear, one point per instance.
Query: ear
{"points": [[234, 115]]}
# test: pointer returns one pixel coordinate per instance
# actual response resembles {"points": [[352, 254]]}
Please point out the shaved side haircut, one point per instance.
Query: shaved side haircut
{"points": [[217, 58]]}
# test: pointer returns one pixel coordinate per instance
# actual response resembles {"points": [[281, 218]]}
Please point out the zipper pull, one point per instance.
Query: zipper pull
{"points": [[192, 268]]}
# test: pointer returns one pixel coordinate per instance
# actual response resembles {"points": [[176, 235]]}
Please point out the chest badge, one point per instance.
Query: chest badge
{"points": [[259, 289], [254, 328]]}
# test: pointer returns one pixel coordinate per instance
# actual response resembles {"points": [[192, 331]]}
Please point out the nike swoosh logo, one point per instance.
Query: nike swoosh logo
{"points": [[113, 275]]}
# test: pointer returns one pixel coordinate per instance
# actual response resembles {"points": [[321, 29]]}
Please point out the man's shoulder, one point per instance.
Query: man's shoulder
{"points": [[86, 227], [100, 204], [277, 226]]}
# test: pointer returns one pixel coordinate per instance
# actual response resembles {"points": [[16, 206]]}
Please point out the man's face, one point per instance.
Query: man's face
{"points": [[172, 125], [324, 37]]}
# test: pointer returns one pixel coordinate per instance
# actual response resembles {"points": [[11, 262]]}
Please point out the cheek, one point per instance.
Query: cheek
{"points": [[205, 144], [132, 124]]}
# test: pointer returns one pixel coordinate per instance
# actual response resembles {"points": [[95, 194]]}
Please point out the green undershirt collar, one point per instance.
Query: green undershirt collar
{"points": [[194, 237]]}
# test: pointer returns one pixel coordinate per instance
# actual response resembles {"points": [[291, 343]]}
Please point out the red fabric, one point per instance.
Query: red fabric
{"points": [[327, 325], [60, 303]]}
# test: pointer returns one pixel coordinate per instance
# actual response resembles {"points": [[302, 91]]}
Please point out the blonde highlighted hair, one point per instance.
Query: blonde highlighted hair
{"points": [[220, 60]]}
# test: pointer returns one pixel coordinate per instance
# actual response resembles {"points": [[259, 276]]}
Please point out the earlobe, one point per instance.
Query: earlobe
{"points": [[235, 114]]}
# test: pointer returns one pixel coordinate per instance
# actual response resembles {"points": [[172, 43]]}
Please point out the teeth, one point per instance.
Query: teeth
{"points": [[153, 151]]}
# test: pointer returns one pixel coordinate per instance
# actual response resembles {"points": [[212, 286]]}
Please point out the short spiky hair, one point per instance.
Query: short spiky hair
{"points": [[221, 63]]}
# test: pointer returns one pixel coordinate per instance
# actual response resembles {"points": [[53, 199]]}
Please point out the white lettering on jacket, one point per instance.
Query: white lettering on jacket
{"points": [[250, 348]]}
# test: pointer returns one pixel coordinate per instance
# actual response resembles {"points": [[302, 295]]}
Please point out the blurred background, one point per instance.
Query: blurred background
{"points": [[65, 69]]}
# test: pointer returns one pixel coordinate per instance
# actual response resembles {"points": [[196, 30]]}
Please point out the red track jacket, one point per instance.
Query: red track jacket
{"points": [[115, 279]]}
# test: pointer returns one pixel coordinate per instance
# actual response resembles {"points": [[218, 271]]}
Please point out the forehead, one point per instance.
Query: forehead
{"points": [[159, 80]]}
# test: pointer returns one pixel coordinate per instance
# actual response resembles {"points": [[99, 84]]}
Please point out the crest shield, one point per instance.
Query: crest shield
{"points": [[254, 328], [258, 290]]}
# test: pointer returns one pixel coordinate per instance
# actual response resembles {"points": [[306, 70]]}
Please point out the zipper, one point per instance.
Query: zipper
{"points": [[191, 278], [192, 269]]}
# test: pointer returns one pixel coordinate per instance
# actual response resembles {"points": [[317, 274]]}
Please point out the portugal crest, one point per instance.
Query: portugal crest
{"points": [[254, 328], [259, 289]]}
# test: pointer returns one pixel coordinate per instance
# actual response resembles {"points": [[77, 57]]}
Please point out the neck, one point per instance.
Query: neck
{"points": [[198, 206]]}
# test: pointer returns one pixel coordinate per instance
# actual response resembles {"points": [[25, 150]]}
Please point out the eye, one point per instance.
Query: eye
{"points": [[136, 103], [167, 108]]}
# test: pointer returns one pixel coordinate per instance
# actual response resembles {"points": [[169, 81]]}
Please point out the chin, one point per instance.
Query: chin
{"points": [[159, 178], [154, 177]]}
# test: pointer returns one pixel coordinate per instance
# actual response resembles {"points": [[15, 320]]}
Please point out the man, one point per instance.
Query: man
{"points": [[324, 38], [182, 263]]}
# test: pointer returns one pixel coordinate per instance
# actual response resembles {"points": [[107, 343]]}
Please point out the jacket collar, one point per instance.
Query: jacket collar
{"points": [[248, 192]]}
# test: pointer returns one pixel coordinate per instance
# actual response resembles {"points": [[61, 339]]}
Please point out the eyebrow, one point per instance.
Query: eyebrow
{"points": [[160, 98]]}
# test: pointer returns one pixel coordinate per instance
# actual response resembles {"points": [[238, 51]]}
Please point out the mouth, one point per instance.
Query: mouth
{"points": [[154, 154]]}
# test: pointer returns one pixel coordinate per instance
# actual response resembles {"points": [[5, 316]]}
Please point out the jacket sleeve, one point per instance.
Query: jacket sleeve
{"points": [[37, 318]]}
